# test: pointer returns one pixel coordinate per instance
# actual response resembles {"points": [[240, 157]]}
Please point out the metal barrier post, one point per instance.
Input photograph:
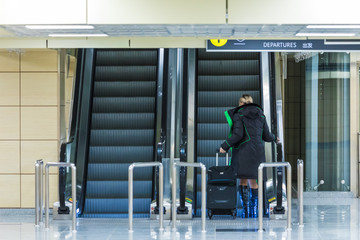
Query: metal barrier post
{"points": [[260, 198], [261, 189], [203, 192], [300, 172], [173, 197], [161, 191], [41, 190], [73, 187], [38, 192]]}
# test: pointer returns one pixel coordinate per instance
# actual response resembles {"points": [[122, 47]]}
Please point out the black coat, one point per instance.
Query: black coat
{"points": [[248, 131]]}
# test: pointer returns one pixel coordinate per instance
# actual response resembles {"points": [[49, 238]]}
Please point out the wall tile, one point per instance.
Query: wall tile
{"points": [[9, 123], [34, 150], [28, 190], [9, 157], [39, 122], [42, 60], [9, 61], [39, 89], [10, 191], [9, 88]]}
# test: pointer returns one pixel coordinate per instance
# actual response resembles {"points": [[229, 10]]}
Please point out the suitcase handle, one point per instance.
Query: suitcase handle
{"points": [[217, 157]]}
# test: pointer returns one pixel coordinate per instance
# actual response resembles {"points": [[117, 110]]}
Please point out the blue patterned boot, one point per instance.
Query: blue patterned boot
{"points": [[253, 213], [244, 200]]}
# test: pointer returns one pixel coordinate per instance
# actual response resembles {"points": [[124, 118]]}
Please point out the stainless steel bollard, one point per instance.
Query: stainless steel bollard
{"points": [[131, 194], [73, 188], [38, 191], [203, 192], [261, 190], [300, 179]]}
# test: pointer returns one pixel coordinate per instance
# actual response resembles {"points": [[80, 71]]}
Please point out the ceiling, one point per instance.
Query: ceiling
{"points": [[203, 30]]}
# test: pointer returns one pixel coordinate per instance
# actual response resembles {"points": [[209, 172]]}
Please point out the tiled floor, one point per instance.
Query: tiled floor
{"points": [[324, 218]]}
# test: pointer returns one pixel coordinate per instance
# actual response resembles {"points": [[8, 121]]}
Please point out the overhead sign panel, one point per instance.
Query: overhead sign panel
{"points": [[243, 45]]}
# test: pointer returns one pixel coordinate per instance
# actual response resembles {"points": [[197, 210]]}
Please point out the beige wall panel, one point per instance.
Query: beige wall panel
{"points": [[34, 150], [28, 192], [9, 157], [42, 60], [22, 43], [9, 191], [43, 12], [9, 123], [293, 12], [9, 88], [98, 42], [9, 61], [167, 43], [39, 123], [39, 88], [157, 12]]}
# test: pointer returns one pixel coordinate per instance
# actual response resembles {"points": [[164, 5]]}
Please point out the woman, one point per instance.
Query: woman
{"points": [[248, 132]]}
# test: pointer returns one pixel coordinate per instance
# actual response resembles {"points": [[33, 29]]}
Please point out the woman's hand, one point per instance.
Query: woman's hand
{"points": [[222, 150]]}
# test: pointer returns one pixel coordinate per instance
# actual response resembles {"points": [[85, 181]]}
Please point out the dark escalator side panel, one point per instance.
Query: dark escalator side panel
{"points": [[122, 132], [80, 119], [222, 78]]}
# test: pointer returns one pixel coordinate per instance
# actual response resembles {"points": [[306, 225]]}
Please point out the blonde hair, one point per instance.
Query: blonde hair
{"points": [[242, 101], [248, 99]]}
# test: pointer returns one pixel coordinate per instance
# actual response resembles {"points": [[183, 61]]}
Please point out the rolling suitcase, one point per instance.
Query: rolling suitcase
{"points": [[221, 190]]}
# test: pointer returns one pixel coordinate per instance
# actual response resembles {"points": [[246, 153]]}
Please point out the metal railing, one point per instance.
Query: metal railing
{"points": [[161, 190], [73, 186], [300, 185], [39, 191], [203, 192], [261, 190]]}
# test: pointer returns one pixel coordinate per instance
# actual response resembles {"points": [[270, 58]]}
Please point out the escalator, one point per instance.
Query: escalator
{"points": [[222, 78], [121, 130]]}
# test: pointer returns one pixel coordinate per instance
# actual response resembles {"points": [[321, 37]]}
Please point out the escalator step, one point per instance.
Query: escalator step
{"points": [[117, 171], [220, 99], [116, 57], [125, 73], [207, 148], [228, 83], [211, 114], [122, 120], [228, 67], [212, 131], [124, 89], [120, 154], [123, 137], [116, 205], [117, 189], [203, 55], [124, 104]]}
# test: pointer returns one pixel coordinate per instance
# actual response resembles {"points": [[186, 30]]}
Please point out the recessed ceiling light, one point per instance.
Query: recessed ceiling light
{"points": [[333, 26], [52, 27], [325, 34], [77, 35]]}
